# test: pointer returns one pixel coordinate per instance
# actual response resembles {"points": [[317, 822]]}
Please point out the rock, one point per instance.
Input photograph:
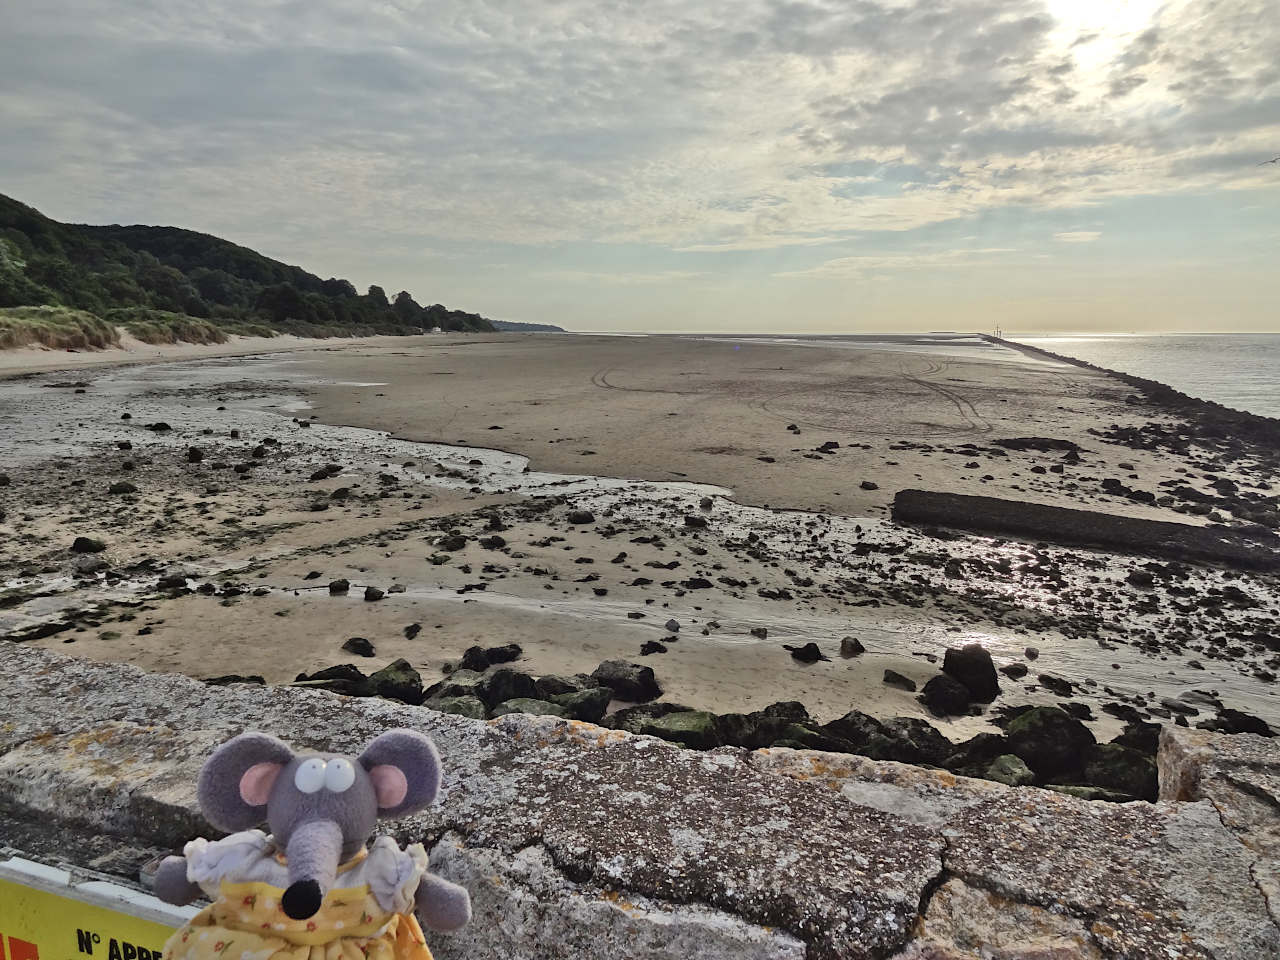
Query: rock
{"points": [[88, 565], [917, 741], [1082, 791], [893, 678], [690, 728], [339, 586], [865, 735], [1140, 736], [851, 647], [672, 625], [504, 684], [230, 678], [946, 696], [586, 705], [650, 647], [462, 706], [87, 545], [869, 485], [1014, 671], [398, 681], [194, 454], [1056, 685], [976, 753], [694, 521], [809, 653], [1140, 578], [451, 544], [373, 593], [360, 646], [1049, 740], [1009, 770], [552, 686], [1031, 653], [972, 666], [631, 719], [1116, 767], [628, 681], [581, 516], [529, 705], [480, 658], [459, 683], [1234, 721], [343, 678]]}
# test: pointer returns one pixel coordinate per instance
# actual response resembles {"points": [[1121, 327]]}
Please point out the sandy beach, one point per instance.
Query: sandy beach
{"points": [[394, 462]]}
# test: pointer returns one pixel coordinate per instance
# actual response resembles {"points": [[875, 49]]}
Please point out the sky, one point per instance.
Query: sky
{"points": [[794, 166]]}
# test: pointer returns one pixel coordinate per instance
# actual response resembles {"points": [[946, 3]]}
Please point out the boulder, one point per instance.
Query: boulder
{"points": [[893, 678], [974, 755], [917, 741], [1049, 740], [1009, 770], [1120, 768], [971, 665], [631, 719], [809, 653], [87, 545], [581, 516], [339, 586], [460, 683], [343, 678], [504, 684], [553, 685], [373, 593], [122, 486], [529, 705], [1014, 671], [946, 696], [628, 681], [1235, 721], [851, 647], [398, 681], [360, 646], [690, 728], [461, 706], [586, 705], [481, 658]]}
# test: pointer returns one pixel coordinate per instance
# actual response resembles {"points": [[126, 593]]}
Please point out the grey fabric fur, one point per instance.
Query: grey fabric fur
{"points": [[321, 809]]}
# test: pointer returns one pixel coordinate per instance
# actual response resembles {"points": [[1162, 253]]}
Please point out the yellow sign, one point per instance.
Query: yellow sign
{"points": [[36, 924]]}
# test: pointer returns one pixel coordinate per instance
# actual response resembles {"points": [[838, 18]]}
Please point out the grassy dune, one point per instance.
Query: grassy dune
{"points": [[60, 328]]}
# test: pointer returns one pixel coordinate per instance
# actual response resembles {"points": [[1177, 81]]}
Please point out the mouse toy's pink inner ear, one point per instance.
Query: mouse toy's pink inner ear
{"points": [[257, 781], [390, 784]]}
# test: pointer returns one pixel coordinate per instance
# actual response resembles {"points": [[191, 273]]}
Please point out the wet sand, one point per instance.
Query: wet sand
{"points": [[668, 422]]}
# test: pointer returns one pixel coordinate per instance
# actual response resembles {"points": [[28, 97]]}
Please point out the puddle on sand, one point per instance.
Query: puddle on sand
{"points": [[262, 393]]}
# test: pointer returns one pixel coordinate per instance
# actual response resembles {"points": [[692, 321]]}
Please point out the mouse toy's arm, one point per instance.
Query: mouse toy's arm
{"points": [[441, 905], [172, 885]]}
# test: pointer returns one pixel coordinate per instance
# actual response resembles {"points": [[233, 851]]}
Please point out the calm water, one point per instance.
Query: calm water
{"points": [[1238, 370]]}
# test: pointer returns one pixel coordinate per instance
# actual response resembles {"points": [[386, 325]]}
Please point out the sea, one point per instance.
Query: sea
{"points": [[1237, 370]]}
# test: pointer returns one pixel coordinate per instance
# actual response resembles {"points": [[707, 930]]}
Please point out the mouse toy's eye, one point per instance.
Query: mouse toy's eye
{"points": [[339, 775], [310, 776]]}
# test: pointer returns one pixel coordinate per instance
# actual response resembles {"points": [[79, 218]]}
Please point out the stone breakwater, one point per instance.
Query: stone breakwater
{"points": [[578, 841]]}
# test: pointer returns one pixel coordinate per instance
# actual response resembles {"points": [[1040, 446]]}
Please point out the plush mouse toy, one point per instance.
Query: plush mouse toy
{"points": [[313, 889]]}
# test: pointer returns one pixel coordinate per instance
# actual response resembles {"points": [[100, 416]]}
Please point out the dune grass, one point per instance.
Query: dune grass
{"points": [[59, 328]]}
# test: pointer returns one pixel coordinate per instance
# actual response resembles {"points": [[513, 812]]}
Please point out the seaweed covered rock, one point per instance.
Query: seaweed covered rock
{"points": [[1049, 740], [587, 705], [1009, 770], [530, 705], [471, 707], [1120, 768], [398, 681], [691, 728]]}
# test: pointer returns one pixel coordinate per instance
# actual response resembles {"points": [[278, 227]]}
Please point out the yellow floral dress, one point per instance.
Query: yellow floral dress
{"points": [[368, 915]]}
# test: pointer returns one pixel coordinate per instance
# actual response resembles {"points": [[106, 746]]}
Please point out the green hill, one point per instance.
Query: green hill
{"points": [[168, 284]]}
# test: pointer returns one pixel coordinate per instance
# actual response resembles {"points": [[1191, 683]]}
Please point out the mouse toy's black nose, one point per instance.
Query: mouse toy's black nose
{"points": [[301, 900]]}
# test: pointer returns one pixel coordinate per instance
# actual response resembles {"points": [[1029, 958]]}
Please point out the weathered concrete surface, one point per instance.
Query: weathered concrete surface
{"points": [[965, 923], [1240, 776], [577, 841]]}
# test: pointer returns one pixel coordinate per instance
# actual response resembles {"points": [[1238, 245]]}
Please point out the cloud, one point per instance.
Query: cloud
{"points": [[1078, 236], [870, 265], [737, 125]]}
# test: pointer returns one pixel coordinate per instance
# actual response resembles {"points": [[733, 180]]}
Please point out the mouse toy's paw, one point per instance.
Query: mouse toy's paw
{"points": [[441, 905], [172, 885]]}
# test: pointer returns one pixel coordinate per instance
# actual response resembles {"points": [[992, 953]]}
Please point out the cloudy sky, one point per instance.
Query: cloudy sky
{"points": [[772, 165]]}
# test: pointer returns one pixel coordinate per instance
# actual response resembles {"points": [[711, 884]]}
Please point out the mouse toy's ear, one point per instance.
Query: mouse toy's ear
{"points": [[236, 781], [405, 770]]}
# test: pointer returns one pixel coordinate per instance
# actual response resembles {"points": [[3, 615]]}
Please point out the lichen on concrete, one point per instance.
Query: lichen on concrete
{"points": [[580, 841]]}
